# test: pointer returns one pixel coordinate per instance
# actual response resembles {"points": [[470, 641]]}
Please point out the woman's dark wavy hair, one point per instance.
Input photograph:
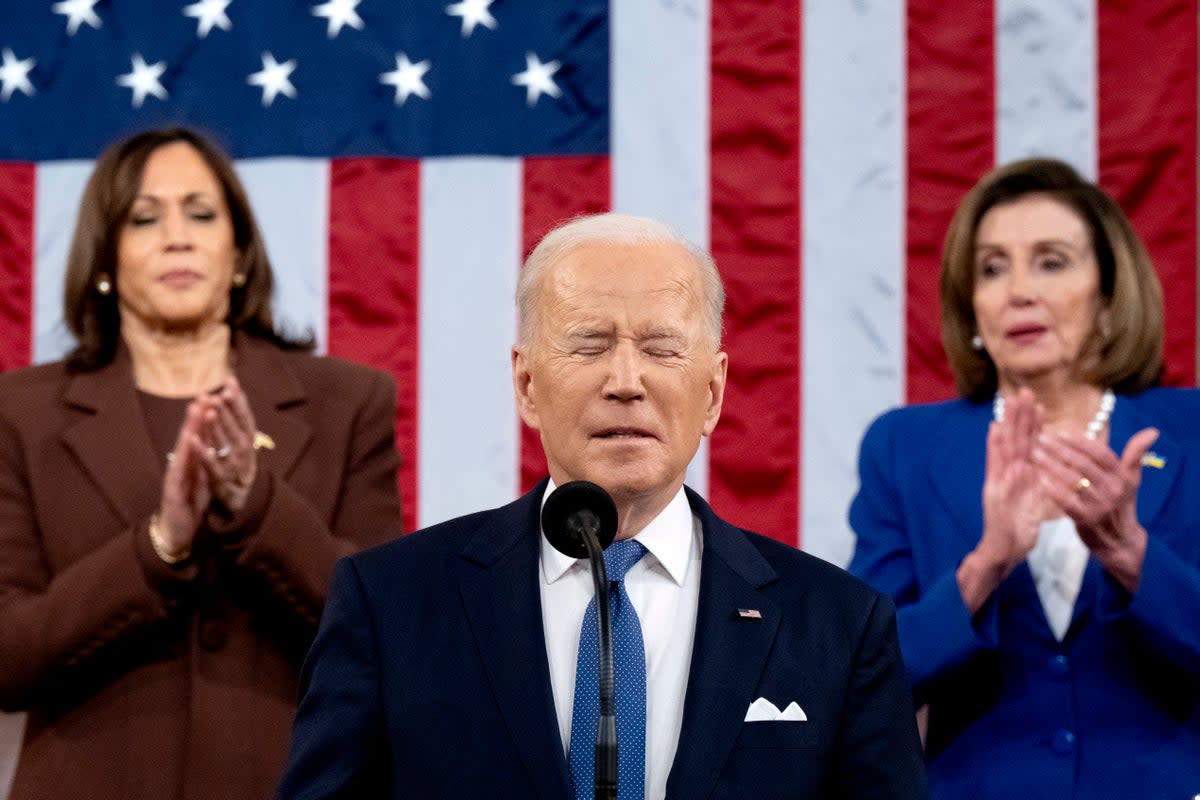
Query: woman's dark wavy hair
{"points": [[104, 210]]}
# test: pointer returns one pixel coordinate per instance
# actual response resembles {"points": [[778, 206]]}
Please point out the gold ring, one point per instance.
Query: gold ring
{"points": [[1083, 484]]}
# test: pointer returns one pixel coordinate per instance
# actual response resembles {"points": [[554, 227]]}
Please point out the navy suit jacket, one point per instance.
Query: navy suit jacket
{"points": [[1111, 711], [429, 676]]}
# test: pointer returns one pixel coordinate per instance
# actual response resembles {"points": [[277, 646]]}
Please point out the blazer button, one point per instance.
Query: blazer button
{"points": [[1063, 742], [213, 634], [1059, 667]]}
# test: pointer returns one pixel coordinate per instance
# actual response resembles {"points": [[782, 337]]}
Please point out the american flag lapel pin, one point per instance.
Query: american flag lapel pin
{"points": [[749, 613]]}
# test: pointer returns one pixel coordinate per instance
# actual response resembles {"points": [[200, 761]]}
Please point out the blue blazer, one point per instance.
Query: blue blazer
{"points": [[1111, 711], [429, 676]]}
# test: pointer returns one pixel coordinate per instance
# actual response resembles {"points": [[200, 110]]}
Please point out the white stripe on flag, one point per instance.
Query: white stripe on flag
{"points": [[290, 198], [853, 285], [660, 126], [59, 187], [1046, 81], [470, 256]]}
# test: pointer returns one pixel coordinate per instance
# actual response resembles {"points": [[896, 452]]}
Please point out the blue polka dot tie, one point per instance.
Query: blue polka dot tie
{"points": [[629, 663]]}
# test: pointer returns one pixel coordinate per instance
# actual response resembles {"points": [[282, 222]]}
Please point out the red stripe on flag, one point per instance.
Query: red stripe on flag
{"points": [[1147, 116], [754, 458], [556, 189], [374, 286], [17, 189], [951, 144]]}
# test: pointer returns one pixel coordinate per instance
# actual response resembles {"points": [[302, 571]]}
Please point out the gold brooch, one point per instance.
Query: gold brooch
{"points": [[1152, 459], [263, 442]]}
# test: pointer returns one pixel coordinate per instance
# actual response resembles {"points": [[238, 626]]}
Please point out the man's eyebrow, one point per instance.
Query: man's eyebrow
{"points": [[661, 333], [588, 332]]}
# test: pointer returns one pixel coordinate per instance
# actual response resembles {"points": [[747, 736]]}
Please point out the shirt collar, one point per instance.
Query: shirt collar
{"points": [[668, 538]]}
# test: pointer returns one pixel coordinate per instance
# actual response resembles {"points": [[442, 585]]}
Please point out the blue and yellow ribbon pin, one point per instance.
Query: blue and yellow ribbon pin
{"points": [[1153, 459]]}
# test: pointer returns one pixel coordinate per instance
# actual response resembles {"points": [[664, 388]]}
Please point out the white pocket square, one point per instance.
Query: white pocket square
{"points": [[763, 710]]}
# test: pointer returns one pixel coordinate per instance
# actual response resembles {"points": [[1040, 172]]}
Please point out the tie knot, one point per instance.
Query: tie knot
{"points": [[622, 555]]}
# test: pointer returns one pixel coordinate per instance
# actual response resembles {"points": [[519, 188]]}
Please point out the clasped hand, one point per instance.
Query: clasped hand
{"points": [[213, 458], [1033, 475]]}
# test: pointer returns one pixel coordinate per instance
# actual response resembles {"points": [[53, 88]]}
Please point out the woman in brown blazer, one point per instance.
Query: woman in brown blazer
{"points": [[173, 496]]}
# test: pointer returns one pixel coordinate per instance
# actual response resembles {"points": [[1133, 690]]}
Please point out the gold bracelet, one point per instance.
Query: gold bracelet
{"points": [[160, 549]]}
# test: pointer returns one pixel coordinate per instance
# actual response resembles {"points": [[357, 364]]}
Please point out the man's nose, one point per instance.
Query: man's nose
{"points": [[625, 373]]}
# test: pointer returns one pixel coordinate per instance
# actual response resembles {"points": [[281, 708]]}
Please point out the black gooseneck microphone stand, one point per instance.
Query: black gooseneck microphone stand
{"points": [[580, 520]]}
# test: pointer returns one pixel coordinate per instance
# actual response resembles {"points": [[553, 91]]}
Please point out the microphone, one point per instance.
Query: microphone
{"points": [[580, 520], [575, 508]]}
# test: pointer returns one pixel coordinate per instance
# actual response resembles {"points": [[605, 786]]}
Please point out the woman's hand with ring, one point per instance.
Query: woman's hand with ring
{"points": [[229, 460], [1098, 491]]}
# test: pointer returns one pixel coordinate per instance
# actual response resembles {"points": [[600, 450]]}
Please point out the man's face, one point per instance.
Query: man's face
{"points": [[620, 376]]}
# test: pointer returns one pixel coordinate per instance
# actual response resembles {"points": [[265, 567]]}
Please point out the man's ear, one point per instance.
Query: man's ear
{"points": [[523, 388], [716, 391]]}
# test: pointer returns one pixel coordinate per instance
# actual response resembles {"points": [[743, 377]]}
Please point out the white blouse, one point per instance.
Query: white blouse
{"points": [[1057, 562]]}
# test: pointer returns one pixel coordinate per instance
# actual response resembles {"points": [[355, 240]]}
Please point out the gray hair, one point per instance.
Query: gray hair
{"points": [[615, 229]]}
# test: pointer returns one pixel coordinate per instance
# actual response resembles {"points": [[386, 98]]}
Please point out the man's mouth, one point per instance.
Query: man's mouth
{"points": [[624, 433]]}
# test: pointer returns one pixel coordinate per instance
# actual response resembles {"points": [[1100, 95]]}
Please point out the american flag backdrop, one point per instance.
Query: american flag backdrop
{"points": [[403, 156]]}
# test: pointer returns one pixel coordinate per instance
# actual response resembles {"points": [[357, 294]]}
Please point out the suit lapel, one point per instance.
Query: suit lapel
{"points": [[1168, 455], [728, 654], [111, 441], [276, 397], [955, 466], [498, 581]]}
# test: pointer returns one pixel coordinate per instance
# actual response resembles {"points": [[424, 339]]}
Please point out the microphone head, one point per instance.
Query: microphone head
{"points": [[572, 505]]}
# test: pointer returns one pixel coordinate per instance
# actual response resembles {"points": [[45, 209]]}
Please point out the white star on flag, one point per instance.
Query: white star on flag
{"points": [[143, 80], [273, 78], [14, 75], [209, 14], [339, 13], [537, 78], [473, 12], [408, 78], [77, 13]]}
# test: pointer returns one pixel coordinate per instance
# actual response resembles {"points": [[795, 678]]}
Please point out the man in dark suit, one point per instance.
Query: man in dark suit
{"points": [[445, 663]]}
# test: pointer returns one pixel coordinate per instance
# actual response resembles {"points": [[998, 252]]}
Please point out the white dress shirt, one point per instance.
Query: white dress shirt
{"points": [[1057, 562], [665, 589]]}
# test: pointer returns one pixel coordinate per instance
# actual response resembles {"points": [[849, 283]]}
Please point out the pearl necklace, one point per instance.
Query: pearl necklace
{"points": [[1107, 401]]}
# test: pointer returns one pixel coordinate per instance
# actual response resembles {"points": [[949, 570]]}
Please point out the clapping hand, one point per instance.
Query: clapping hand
{"points": [[228, 456], [1098, 491], [186, 492], [1014, 503], [213, 458]]}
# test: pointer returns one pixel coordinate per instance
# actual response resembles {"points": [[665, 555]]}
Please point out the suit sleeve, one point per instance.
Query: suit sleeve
{"points": [[55, 627], [338, 739], [1164, 606], [936, 631], [879, 751], [284, 540]]}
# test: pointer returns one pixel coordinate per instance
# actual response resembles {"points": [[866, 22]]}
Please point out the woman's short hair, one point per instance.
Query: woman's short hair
{"points": [[1129, 355], [103, 211]]}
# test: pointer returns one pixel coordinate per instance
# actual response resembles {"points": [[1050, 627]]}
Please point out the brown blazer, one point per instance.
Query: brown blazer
{"points": [[146, 681]]}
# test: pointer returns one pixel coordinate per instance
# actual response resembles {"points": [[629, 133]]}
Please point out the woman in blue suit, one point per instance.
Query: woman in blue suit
{"points": [[1041, 534]]}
